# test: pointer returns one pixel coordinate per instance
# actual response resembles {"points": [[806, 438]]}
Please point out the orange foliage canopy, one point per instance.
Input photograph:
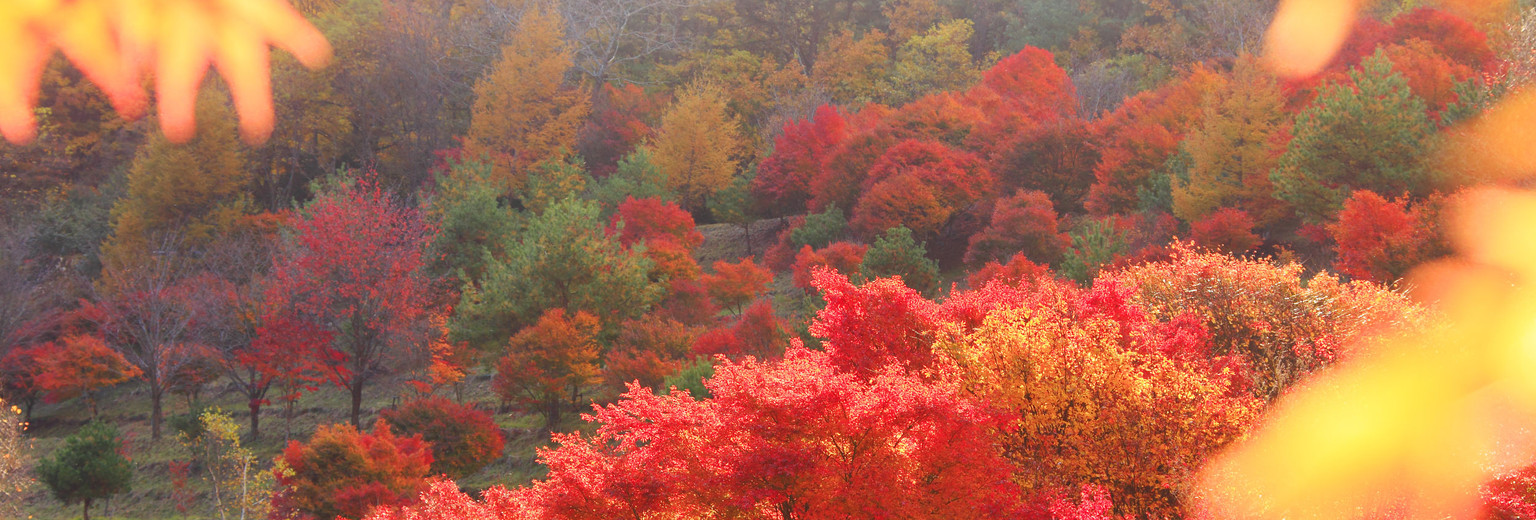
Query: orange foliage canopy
{"points": [[734, 285], [113, 42], [79, 365], [343, 472], [1099, 393]]}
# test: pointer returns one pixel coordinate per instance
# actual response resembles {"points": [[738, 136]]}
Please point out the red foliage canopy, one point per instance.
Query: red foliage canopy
{"points": [[870, 326], [463, 439], [794, 438], [842, 257], [758, 334], [783, 181], [733, 285], [1024, 223], [919, 184], [1227, 230], [354, 268], [651, 219], [1380, 240], [621, 118]]}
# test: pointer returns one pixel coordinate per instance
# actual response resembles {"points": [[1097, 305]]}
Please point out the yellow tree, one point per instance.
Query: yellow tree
{"points": [[852, 68], [937, 60], [524, 112], [1235, 149], [696, 145], [190, 191]]}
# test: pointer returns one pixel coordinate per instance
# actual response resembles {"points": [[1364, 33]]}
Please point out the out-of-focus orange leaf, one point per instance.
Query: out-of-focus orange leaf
{"points": [[1497, 145], [1306, 34], [1417, 427], [22, 52], [114, 41]]}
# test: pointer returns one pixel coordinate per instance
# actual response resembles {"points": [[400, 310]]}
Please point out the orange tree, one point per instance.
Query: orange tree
{"points": [[343, 472]]}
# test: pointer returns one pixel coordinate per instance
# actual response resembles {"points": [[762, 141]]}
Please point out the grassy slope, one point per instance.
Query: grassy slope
{"points": [[128, 407]]}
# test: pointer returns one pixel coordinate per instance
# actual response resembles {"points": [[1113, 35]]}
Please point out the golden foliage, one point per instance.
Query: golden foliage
{"points": [[696, 144], [15, 468], [523, 111], [113, 42], [188, 193], [1234, 150], [1094, 408]]}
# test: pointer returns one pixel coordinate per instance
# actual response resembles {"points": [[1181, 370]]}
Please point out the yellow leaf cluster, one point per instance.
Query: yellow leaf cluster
{"points": [[1092, 409], [114, 41]]}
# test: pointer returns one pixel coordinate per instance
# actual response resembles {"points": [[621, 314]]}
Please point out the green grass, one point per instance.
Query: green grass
{"points": [[128, 407]]}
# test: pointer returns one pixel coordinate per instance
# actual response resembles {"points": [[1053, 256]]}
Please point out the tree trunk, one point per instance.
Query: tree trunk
{"points": [[86, 514], [255, 406], [552, 414], [357, 406], [155, 411]]}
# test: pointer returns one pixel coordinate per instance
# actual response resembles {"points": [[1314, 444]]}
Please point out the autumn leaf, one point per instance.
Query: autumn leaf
{"points": [[112, 42]]}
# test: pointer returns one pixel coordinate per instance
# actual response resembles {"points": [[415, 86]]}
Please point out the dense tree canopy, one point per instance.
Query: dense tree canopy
{"points": [[803, 259]]}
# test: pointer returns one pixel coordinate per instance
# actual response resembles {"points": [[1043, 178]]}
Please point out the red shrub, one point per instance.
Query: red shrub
{"points": [[1380, 240], [342, 472], [651, 219], [1024, 223], [463, 439], [1018, 271]]}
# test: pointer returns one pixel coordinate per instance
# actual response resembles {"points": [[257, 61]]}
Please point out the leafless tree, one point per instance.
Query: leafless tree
{"points": [[609, 34], [1233, 27], [148, 312], [23, 285]]}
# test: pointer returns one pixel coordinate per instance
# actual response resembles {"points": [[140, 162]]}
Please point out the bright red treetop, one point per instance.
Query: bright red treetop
{"points": [[354, 268], [1455, 37], [1032, 82], [783, 180], [650, 219], [919, 184], [867, 327]]}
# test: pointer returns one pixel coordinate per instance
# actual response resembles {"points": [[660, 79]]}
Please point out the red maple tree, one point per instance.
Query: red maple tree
{"points": [[353, 269]]}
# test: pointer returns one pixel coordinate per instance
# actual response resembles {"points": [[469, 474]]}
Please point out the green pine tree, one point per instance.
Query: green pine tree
{"points": [[1371, 135], [898, 254], [563, 259], [90, 466]]}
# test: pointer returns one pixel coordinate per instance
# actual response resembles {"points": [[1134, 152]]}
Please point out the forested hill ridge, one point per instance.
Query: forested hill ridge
{"points": [[734, 258]]}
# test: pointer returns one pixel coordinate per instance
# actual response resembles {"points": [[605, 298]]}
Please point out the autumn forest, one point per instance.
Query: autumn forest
{"points": [[759, 259]]}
